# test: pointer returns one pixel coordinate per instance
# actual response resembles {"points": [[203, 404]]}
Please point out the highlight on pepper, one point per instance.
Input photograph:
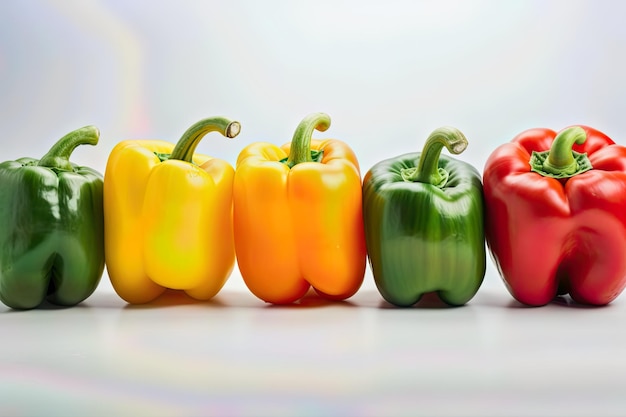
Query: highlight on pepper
{"points": [[168, 216], [423, 215], [51, 227], [556, 215], [298, 217]]}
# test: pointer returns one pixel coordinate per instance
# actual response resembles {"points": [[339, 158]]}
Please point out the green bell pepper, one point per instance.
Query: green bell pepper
{"points": [[423, 215], [51, 227]]}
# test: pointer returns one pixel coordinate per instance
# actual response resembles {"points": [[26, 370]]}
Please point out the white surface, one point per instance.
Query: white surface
{"points": [[237, 356], [388, 73]]}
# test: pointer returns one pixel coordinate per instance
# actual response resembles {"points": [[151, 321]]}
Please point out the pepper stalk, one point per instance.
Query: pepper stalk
{"points": [[428, 170], [58, 157], [561, 161], [300, 150]]}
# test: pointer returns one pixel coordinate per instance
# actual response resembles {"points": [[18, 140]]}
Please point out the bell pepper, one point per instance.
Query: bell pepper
{"points": [[51, 227], [298, 217], [423, 216], [556, 215], [168, 216]]}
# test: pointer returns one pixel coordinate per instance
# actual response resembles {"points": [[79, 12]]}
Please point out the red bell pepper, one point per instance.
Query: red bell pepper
{"points": [[556, 215]]}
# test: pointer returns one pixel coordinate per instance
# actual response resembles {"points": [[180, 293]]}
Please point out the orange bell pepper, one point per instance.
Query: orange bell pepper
{"points": [[298, 217], [168, 216]]}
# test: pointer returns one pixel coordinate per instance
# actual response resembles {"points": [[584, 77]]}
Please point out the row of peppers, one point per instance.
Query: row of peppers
{"points": [[550, 206]]}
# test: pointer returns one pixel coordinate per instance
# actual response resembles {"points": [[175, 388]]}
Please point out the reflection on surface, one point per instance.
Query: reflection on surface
{"points": [[236, 355]]}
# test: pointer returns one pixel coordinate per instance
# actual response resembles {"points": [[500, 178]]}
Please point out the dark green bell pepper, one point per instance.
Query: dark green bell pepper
{"points": [[423, 215], [51, 227]]}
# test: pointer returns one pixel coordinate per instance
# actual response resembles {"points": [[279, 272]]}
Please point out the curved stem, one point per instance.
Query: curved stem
{"points": [[58, 157], [300, 150], [561, 159], [428, 170], [187, 144]]}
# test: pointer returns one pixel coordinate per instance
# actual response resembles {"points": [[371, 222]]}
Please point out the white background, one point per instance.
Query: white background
{"points": [[388, 73]]}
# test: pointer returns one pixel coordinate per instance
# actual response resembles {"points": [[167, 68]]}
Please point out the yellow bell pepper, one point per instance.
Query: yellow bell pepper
{"points": [[298, 217], [168, 216]]}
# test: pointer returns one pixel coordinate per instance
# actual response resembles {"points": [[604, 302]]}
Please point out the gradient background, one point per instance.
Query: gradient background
{"points": [[388, 73]]}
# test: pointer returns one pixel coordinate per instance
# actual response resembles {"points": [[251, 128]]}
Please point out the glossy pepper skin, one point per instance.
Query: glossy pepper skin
{"points": [[556, 215], [51, 227], [424, 224], [168, 216], [298, 217]]}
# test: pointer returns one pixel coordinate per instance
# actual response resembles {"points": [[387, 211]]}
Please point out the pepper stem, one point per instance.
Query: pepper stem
{"points": [[187, 144], [560, 159], [300, 149], [58, 157], [428, 170]]}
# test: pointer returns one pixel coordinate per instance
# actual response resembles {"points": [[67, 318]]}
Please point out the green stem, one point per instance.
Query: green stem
{"points": [[187, 144], [58, 157], [561, 159], [300, 150], [428, 170]]}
